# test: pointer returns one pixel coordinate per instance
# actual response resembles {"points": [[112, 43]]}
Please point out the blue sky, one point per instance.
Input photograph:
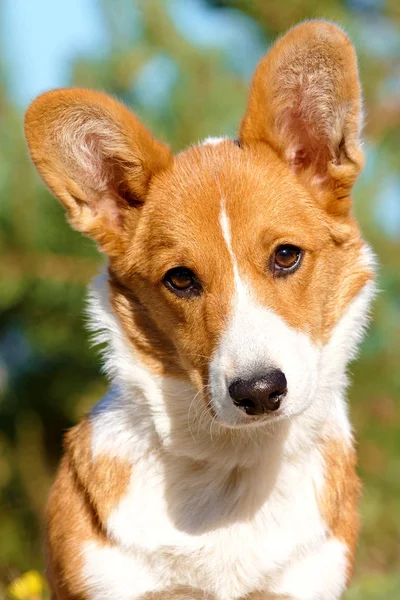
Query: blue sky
{"points": [[39, 36]]}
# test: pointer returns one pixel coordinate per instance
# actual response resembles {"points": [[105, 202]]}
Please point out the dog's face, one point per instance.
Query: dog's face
{"points": [[231, 263], [241, 271]]}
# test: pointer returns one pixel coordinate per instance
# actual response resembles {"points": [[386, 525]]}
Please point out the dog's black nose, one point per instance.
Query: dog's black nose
{"points": [[260, 395]]}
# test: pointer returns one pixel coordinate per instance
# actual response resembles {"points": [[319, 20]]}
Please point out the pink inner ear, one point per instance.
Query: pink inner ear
{"points": [[307, 146], [298, 158], [109, 207]]}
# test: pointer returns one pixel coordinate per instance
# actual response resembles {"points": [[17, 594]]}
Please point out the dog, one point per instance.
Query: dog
{"points": [[221, 464]]}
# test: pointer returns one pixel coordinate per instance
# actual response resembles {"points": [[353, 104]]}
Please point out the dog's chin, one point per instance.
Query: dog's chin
{"points": [[236, 418]]}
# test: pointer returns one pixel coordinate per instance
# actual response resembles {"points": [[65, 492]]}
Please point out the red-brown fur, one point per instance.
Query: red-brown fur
{"points": [[84, 494], [339, 504]]}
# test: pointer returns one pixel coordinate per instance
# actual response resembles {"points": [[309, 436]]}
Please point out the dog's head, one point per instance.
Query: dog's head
{"points": [[234, 263]]}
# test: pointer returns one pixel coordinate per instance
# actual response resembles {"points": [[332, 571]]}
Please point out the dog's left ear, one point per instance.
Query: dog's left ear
{"points": [[97, 159], [305, 102]]}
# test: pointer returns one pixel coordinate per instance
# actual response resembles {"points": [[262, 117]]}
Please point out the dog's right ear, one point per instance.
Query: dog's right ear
{"points": [[305, 103], [97, 159]]}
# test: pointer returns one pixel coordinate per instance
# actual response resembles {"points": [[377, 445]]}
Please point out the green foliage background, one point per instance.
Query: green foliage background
{"points": [[49, 376]]}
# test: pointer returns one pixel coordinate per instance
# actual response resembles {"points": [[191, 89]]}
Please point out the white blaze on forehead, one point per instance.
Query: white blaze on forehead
{"points": [[226, 232], [226, 229]]}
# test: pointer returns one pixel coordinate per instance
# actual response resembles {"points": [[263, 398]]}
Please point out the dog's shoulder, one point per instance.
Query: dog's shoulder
{"points": [[103, 478], [341, 495], [86, 490]]}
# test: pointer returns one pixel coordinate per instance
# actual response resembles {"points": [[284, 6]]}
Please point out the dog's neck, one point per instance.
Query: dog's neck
{"points": [[242, 467]]}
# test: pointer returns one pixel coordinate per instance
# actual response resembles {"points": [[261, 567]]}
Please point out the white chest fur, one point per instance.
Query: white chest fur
{"points": [[226, 534]]}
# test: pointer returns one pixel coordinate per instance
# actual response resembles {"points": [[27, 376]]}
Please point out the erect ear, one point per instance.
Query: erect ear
{"points": [[305, 102], [96, 157]]}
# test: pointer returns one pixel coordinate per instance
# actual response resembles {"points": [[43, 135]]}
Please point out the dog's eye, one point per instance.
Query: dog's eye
{"points": [[286, 259], [182, 282]]}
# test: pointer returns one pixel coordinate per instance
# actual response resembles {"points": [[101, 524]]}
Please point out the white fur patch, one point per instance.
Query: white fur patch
{"points": [[312, 575], [336, 354], [226, 232], [112, 574], [255, 341], [183, 520], [213, 141]]}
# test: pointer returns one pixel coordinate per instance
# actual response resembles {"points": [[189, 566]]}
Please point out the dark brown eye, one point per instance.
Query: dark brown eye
{"points": [[286, 259], [182, 282]]}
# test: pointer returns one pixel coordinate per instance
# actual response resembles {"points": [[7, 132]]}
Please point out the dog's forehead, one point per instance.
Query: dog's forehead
{"points": [[254, 188]]}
